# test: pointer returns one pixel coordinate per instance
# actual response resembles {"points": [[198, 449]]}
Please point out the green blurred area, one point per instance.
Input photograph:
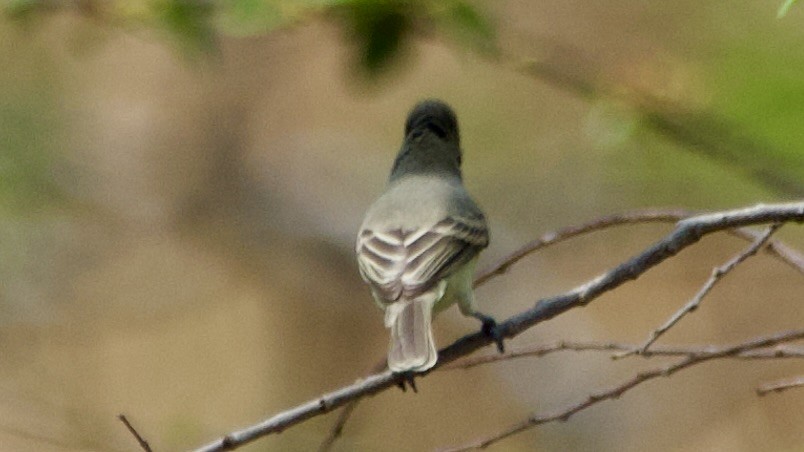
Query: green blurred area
{"points": [[181, 182], [767, 100], [31, 124]]}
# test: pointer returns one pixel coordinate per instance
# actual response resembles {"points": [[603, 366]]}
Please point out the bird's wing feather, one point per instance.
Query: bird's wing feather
{"points": [[404, 264]]}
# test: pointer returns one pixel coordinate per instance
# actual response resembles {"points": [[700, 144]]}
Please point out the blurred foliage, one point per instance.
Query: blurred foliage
{"points": [[248, 17], [785, 8], [764, 109], [29, 118], [380, 29], [188, 21], [66, 123]]}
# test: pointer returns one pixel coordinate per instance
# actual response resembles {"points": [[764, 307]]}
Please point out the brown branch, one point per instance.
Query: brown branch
{"points": [[538, 351], [781, 385], [776, 248], [502, 266], [598, 224], [346, 413], [717, 274], [140, 440], [337, 429], [686, 233], [616, 391]]}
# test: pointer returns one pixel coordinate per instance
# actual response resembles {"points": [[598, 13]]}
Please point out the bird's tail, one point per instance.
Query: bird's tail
{"points": [[412, 345]]}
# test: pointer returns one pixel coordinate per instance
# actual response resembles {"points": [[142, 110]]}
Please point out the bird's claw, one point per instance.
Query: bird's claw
{"points": [[407, 379], [492, 331]]}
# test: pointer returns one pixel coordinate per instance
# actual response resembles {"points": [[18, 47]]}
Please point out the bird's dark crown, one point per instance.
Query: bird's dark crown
{"points": [[431, 142], [435, 116]]}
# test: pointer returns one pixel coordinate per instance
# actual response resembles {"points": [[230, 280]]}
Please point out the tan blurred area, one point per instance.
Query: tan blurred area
{"points": [[195, 269]]}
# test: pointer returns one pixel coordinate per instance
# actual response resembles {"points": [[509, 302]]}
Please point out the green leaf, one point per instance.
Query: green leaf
{"points": [[189, 21], [248, 17], [379, 28], [470, 25], [22, 9], [785, 8]]}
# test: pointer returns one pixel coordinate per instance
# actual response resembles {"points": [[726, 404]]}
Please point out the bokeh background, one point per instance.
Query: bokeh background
{"points": [[181, 182]]}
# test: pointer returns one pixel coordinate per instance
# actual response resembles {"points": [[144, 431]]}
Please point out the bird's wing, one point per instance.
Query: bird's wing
{"points": [[405, 263]]}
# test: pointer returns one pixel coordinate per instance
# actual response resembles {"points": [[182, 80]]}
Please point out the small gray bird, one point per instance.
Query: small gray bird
{"points": [[419, 242]]}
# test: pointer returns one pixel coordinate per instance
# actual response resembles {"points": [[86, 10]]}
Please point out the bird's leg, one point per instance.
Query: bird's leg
{"points": [[490, 329], [466, 303], [406, 378]]}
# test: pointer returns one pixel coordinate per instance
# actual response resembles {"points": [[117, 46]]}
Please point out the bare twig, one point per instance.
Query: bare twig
{"points": [[777, 249], [345, 414], [618, 390], [337, 428], [686, 233], [140, 440], [695, 302], [598, 224], [546, 240], [781, 385], [779, 352]]}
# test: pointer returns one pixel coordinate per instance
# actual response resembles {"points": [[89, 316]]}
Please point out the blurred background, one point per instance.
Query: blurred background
{"points": [[181, 183]]}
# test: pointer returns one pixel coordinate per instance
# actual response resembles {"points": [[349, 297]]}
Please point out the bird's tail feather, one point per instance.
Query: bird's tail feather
{"points": [[412, 344]]}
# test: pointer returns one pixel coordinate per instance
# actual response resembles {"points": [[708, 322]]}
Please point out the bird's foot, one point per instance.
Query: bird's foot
{"points": [[407, 378], [491, 330]]}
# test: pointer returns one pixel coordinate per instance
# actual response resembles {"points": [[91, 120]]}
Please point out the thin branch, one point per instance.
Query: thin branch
{"points": [[781, 385], [616, 391], [140, 440], [776, 248], [346, 413], [686, 233], [337, 428], [598, 224], [538, 351], [548, 239], [717, 274]]}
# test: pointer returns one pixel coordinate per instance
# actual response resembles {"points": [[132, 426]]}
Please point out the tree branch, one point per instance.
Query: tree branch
{"points": [[561, 235], [781, 385], [717, 274], [346, 413], [337, 428], [775, 248], [140, 440], [685, 234], [546, 240], [618, 390], [538, 351]]}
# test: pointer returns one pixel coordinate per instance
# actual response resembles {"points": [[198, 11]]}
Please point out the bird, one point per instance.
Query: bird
{"points": [[419, 241]]}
